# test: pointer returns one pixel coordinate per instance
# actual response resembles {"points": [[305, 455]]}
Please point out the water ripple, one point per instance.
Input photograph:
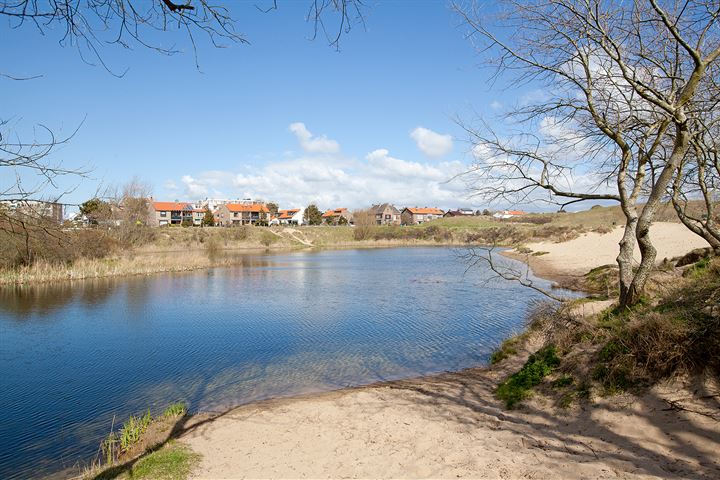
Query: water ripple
{"points": [[75, 356]]}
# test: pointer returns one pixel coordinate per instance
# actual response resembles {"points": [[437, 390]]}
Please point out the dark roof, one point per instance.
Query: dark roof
{"points": [[381, 208]]}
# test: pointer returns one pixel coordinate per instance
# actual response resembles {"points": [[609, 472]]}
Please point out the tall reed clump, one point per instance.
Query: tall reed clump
{"points": [[117, 443], [133, 429], [212, 249]]}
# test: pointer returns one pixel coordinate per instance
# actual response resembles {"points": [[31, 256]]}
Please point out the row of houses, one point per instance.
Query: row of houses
{"points": [[237, 213]]}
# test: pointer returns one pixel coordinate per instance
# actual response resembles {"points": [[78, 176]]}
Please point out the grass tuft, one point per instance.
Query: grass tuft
{"points": [[518, 387], [506, 349], [177, 409], [173, 462], [132, 430]]}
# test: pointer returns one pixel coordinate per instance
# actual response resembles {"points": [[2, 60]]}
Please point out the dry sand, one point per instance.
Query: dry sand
{"points": [[590, 250], [451, 425]]}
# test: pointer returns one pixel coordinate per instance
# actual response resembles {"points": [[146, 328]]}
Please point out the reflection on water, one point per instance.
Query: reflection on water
{"points": [[75, 354]]}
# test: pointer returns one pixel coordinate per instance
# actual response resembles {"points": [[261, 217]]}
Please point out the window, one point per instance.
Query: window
{"points": [[163, 214]]}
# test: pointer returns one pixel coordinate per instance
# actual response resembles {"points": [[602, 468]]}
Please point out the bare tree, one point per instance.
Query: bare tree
{"points": [[613, 121], [365, 224], [695, 191]]}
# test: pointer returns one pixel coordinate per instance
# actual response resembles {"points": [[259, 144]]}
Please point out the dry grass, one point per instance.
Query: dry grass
{"points": [[675, 331], [108, 267]]}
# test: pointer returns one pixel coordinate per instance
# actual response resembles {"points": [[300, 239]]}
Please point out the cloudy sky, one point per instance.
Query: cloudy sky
{"points": [[284, 118]]}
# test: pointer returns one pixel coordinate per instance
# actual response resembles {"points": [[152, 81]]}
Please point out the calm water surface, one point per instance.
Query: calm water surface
{"points": [[74, 355]]}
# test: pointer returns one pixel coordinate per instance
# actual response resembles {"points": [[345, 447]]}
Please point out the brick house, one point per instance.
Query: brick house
{"points": [[332, 217], [174, 213], [234, 214], [386, 214], [416, 216]]}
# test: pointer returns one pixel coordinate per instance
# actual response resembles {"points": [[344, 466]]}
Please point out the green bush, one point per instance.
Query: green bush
{"points": [[518, 386]]}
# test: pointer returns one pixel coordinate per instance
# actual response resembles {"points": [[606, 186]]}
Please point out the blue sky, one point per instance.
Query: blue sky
{"points": [[283, 119]]}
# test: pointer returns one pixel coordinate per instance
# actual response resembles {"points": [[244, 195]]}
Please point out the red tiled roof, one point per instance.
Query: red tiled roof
{"points": [[160, 206], [287, 214], [515, 212], [251, 207], [335, 213], [425, 211]]}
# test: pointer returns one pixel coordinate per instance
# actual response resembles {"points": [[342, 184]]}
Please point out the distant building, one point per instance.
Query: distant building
{"points": [[332, 217], [214, 203], [175, 213], [460, 212], [291, 217], [505, 214], [416, 216], [52, 211], [234, 214], [386, 214]]}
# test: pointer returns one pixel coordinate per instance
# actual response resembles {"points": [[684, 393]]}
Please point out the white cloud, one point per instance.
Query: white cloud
{"points": [[380, 177], [431, 143], [333, 180], [495, 105], [313, 144], [194, 187], [382, 163]]}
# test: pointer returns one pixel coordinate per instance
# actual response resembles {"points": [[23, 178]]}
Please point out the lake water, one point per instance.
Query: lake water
{"points": [[75, 355]]}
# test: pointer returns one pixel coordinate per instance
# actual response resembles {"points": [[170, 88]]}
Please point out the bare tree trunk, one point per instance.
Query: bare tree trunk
{"points": [[625, 258], [648, 253]]}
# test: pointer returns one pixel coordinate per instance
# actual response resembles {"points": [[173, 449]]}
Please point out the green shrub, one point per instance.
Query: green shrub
{"points": [[611, 350], [518, 386], [564, 381]]}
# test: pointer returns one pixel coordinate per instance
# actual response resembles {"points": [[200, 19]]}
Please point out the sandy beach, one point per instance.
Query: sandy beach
{"points": [[452, 426], [578, 256]]}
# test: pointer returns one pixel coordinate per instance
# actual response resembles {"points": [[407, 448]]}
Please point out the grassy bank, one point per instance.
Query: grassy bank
{"points": [[588, 353], [144, 448]]}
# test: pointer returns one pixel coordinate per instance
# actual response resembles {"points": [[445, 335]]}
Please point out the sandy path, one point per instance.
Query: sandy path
{"points": [[591, 250]]}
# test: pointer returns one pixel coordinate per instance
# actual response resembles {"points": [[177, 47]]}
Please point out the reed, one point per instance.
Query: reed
{"points": [[177, 409], [133, 429]]}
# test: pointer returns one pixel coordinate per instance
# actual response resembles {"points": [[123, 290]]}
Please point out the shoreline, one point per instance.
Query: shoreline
{"points": [[451, 425], [129, 265]]}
